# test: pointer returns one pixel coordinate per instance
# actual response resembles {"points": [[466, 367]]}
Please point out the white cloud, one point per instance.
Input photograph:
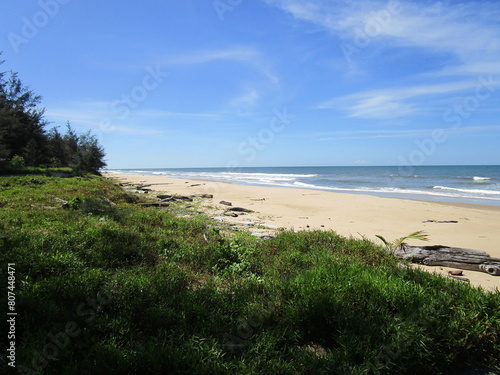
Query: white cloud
{"points": [[394, 102], [468, 33], [400, 133], [247, 99], [241, 54], [463, 29]]}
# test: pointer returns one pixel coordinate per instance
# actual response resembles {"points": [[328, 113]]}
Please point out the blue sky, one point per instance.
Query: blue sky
{"points": [[237, 83]]}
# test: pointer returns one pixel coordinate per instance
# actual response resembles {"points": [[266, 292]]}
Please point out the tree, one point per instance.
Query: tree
{"points": [[90, 154], [21, 121], [23, 136], [56, 148], [80, 152], [70, 147]]}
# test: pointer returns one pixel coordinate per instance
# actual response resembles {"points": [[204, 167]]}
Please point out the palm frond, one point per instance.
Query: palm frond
{"points": [[400, 243]]}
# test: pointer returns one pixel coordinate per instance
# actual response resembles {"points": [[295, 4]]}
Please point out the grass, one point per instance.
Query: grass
{"points": [[106, 286]]}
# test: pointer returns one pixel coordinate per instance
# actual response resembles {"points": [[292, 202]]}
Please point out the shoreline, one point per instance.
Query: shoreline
{"points": [[351, 215], [298, 178]]}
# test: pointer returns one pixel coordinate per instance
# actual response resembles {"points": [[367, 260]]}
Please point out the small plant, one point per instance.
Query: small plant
{"points": [[17, 162], [400, 243], [73, 203]]}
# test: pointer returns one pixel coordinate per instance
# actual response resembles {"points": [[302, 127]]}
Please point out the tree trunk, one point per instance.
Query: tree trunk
{"points": [[465, 259]]}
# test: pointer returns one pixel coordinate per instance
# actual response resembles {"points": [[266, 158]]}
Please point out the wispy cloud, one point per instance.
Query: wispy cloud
{"points": [[243, 54], [240, 54], [468, 33], [248, 98], [399, 133], [394, 102]]}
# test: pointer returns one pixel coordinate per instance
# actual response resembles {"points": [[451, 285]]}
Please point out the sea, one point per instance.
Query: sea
{"points": [[476, 184]]}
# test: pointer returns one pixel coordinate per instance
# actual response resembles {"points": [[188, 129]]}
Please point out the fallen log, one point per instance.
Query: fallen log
{"points": [[240, 209], [454, 257]]}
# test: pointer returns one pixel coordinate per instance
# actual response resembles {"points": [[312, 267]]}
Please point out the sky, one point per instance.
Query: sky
{"points": [[242, 83]]}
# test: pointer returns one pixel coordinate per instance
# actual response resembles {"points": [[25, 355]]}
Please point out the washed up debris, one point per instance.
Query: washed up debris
{"points": [[264, 236], [463, 279], [441, 221], [240, 209], [143, 188], [232, 220], [453, 257], [155, 204], [168, 198], [203, 196]]}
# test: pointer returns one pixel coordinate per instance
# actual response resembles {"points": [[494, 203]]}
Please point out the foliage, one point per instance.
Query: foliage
{"points": [[17, 162], [147, 292], [25, 142], [400, 243]]}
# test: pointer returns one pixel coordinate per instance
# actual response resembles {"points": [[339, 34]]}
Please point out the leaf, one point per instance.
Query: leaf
{"points": [[400, 242], [383, 240]]}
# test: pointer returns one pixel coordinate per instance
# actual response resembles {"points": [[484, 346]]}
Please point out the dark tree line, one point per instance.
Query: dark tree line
{"points": [[24, 141]]}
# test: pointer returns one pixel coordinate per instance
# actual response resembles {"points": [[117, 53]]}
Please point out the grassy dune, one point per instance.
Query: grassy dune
{"points": [[105, 286]]}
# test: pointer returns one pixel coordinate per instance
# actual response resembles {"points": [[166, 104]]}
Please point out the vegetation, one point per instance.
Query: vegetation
{"points": [[104, 285], [401, 242], [24, 142]]}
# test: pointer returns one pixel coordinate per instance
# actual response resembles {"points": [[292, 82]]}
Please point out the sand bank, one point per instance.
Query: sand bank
{"points": [[477, 226]]}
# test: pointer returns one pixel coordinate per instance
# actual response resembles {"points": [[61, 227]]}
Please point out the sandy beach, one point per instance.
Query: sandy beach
{"points": [[457, 225]]}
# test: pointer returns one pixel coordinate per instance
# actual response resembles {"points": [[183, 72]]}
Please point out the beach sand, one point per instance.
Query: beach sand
{"points": [[477, 227]]}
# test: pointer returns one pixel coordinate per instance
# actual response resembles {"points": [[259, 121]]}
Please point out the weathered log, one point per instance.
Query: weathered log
{"points": [[203, 195], [169, 198], [454, 257], [159, 204], [240, 209]]}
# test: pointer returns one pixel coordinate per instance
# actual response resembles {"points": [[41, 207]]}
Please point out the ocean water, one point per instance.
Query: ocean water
{"points": [[462, 184]]}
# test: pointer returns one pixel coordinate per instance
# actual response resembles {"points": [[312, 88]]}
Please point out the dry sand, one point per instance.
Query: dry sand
{"points": [[477, 227]]}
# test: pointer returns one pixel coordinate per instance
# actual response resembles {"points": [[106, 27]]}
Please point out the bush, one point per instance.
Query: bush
{"points": [[17, 163]]}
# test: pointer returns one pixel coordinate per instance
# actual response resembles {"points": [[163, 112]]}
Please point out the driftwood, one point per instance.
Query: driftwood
{"points": [[454, 257]]}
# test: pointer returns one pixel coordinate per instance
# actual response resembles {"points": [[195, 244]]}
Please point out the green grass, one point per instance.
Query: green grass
{"points": [[106, 286]]}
